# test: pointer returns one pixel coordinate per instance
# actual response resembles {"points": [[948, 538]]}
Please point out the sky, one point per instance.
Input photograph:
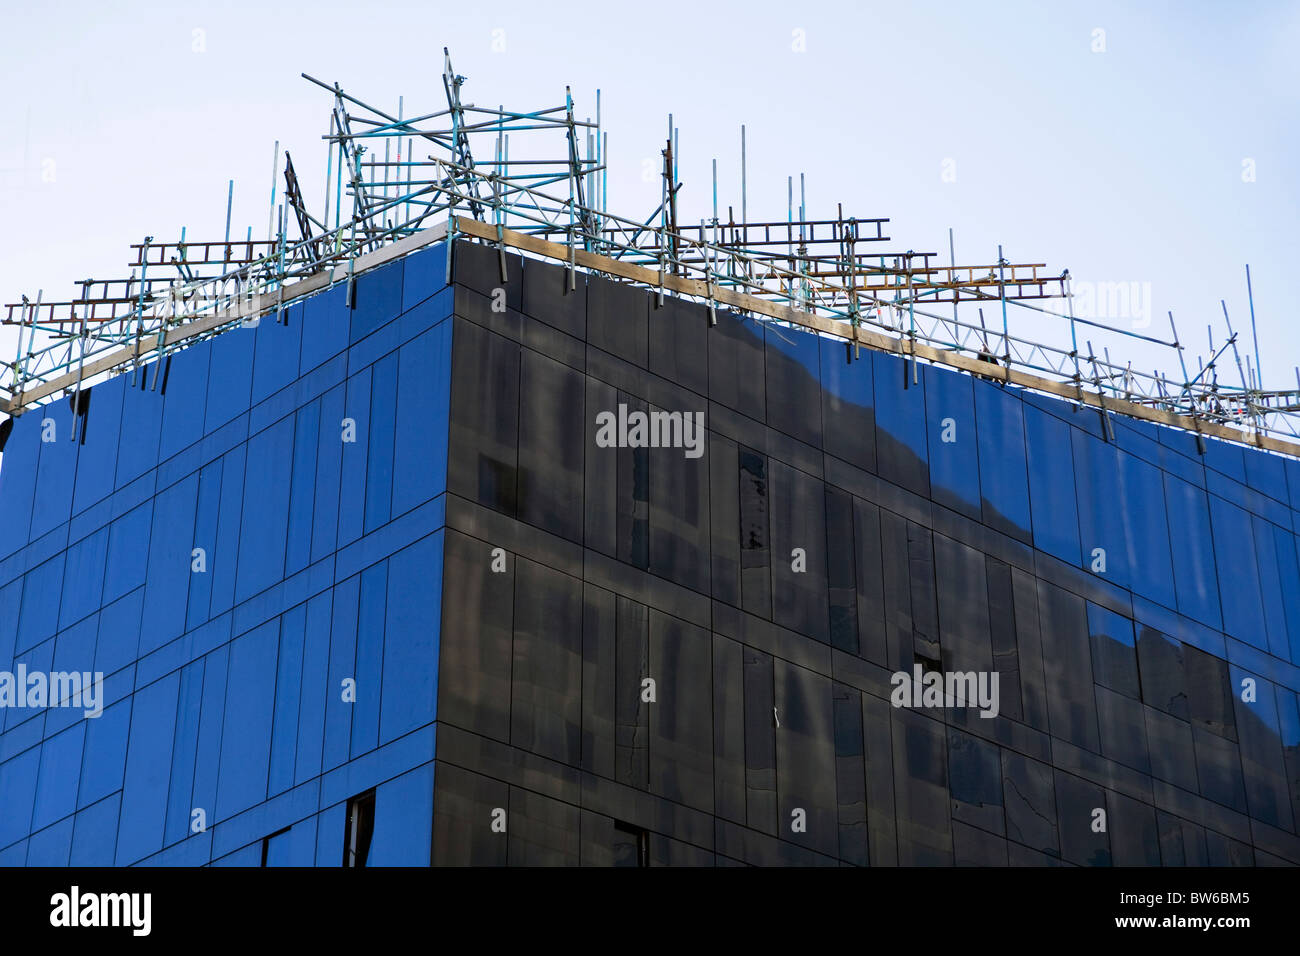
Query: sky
{"points": [[1151, 144]]}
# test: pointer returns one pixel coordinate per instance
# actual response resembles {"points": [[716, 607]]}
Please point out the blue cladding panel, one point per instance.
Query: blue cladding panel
{"points": [[94, 835], [207, 763], [315, 689], [246, 734], [324, 327], [1101, 512], [184, 403], [370, 656], [1146, 529], [329, 459], [18, 482], [266, 510], [119, 633], [848, 404], [1052, 492], [97, 459], [52, 846], [127, 560], [413, 620], [42, 591], [85, 578], [57, 469], [137, 453], [276, 353], [356, 442], [1234, 550], [148, 770], [378, 300], [1004, 480], [230, 378], [235, 448], [423, 400], [171, 542], [288, 690], [18, 794], [403, 820], [184, 751], [207, 513], [56, 784], [1195, 575], [379, 459], [425, 273], [306, 439], [343, 659], [223, 564], [954, 446], [900, 423], [104, 761]]}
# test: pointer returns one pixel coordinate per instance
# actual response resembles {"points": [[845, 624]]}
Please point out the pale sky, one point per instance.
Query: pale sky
{"points": [[1150, 143]]}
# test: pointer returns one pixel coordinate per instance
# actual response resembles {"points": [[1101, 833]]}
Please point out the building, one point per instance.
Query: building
{"points": [[369, 584]]}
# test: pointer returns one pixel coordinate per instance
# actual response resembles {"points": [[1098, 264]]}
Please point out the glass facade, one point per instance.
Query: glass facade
{"points": [[470, 578]]}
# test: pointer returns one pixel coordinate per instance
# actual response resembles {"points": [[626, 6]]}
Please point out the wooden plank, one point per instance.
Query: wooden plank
{"points": [[18, 403], [866, 337]]}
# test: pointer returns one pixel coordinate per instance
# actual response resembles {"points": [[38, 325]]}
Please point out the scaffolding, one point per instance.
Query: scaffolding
{"points": [[537, 181]]}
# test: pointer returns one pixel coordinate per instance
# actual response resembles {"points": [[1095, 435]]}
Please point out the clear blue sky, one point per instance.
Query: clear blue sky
{"points": [[1122, 165]]}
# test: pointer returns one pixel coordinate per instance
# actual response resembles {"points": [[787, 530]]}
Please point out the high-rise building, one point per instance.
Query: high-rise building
{"points": [[513, 562]]}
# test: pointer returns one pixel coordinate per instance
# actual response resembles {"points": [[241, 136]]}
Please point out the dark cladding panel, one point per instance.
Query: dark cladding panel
{"points": [[681, 718], [541, 831], [464, 805], [1068, 667], [921, 790], [483, 454], [617, 320], [679, 514], [477, 636], [808, 803], [548, 298], [678, 343], [850, 775], [477, 266], [546, 676], [632, 484], [963, 607], [755, 533], [725, 523], [900, 423], [552, 436], [728, 729], [872, 625], [798, 545], [760, 742], [736, 373], [841, 571], [794, 383], [598, 681], [600, 484], [975, 779], [631, 709]]}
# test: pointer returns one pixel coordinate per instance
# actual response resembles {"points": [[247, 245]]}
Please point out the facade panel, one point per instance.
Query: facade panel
{"points": [[560, 576]]}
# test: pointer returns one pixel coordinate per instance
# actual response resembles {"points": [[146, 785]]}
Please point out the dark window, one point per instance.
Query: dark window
{"points": [[755, 581], [631, 845], [360, 827]]}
